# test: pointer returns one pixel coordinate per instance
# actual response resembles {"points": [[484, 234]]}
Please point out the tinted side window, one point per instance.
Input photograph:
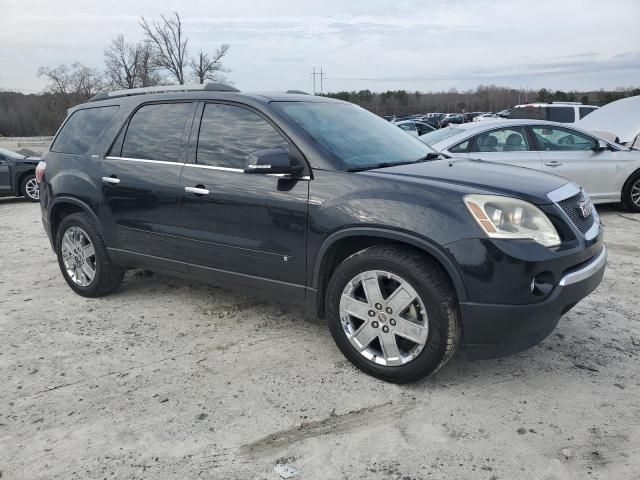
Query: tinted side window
{"points": [[155, 132], [512, 139], [536, 113], [560, 139], [584, 111], [229, 135], [82, 128], [461, 147], [562, 114]]}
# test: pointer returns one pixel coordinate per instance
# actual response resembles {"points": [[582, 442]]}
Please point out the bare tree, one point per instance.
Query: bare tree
{"points": [[86, 81], [169, 44], [129, 65], [210, 68], [60, 80], [122, 60], [75, 83], [147, 71]]}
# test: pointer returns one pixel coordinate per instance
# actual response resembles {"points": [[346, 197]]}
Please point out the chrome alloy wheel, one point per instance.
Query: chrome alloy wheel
{"points": [[31, 189], [384, 318], [635, 193], [79, 256]]}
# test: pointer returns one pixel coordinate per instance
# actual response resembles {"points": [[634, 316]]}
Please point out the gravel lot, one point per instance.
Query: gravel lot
{"points": [[170, 379]]}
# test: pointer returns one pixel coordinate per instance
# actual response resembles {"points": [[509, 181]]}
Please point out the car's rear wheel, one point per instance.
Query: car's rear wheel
{"points": [[393, 313], [631, 193], [29, 188], [83, 258]]}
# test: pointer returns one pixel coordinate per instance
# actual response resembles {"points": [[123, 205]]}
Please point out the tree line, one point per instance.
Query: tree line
{"points": [[161, 58], [485, 98]]}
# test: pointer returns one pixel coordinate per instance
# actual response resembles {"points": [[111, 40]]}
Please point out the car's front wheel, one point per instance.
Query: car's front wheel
{"points": [[29, 188], [83, 258], [631, 193], [393, 313]]}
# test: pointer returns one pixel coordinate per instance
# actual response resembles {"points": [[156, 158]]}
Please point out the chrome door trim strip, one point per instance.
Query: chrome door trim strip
{"points": [[144, 160]]}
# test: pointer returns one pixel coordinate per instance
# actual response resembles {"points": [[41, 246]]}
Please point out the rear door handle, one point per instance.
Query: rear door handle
{"points": [[199, 190], [111, 180], [553, 164]]}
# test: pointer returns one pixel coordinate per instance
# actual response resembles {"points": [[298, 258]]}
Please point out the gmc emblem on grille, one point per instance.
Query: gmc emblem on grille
{"points": [[585, 208]]}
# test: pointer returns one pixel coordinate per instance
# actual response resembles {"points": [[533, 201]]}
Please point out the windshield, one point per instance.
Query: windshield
{"points": [[439, 135], [9, 154], [352, 137]]}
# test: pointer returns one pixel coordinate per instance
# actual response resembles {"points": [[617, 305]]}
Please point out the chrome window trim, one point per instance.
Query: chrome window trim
{"points": [[211, 167], [143, 160], [586, 271], [240, 170]]}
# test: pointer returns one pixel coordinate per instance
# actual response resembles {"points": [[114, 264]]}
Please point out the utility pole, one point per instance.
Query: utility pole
{"points": [[321, 75]]}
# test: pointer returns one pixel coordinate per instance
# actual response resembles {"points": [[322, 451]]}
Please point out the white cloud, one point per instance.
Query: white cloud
{"points": [[360, 43]]}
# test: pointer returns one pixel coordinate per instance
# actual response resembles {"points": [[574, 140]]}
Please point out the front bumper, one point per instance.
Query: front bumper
{"points": [[494, 330]]}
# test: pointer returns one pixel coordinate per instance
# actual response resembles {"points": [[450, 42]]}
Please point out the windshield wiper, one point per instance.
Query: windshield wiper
{"points": [[428, 157]]}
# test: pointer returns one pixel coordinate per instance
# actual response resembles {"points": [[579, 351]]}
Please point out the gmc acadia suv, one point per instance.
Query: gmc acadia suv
{"points": [[316, 201]]}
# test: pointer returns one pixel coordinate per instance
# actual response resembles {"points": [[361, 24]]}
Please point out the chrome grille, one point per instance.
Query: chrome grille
{"points": [[570, 206]]}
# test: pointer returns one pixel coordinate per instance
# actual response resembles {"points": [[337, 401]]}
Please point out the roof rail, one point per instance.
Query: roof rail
{"points": [[207, 87], [567, 103], [299, 92]]}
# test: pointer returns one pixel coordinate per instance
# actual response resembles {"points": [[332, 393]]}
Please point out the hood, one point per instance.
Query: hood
{"points": [[620, 118], [29, 161], [472, 176]]}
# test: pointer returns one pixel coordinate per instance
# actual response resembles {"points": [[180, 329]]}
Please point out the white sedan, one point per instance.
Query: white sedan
{"points": [[608, 171]]}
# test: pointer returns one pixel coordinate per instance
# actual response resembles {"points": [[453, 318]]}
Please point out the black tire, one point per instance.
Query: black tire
{"points": [[23, 188], [108, 276], [433, 286], [632, 182]]}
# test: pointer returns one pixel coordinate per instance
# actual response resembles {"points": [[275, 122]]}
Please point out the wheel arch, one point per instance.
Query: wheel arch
{"points": [[344, 243], [20, 178], [64, 206]]}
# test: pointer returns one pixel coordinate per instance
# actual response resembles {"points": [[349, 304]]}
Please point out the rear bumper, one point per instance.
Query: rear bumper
{"points": [[494, 330]]}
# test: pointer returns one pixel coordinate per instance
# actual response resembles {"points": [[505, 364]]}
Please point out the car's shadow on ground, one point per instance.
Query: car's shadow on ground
{"points": [[10, 200]]}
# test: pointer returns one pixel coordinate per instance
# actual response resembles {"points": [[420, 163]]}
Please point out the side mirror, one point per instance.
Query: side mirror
{"points": [[272, 160], [602, 145]]}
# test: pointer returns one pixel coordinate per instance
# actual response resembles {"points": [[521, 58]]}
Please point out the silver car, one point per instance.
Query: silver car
{"points": [[608, 171]]}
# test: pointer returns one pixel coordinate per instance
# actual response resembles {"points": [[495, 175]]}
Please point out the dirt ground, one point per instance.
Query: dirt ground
{"points": [[168, 379]]}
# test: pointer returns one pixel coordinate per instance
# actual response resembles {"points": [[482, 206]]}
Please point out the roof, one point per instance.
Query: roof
{"points": [[209, 90]]}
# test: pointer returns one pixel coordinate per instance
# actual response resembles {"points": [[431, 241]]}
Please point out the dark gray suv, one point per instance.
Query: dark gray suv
{"points": [[318, 202]]}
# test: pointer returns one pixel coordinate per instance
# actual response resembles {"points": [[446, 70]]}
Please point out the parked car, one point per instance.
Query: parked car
{"points": [[319, 202], [17, 175], [486, 116], [608, 171], [562, 112], [617, 121], [456, 118], [414, 127]]}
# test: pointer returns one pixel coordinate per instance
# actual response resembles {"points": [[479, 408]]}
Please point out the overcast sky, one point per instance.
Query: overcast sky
{"points": [[395, 44]]}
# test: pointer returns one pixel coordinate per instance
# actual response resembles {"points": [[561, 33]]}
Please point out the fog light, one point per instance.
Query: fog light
{"points": [[542, 284]]}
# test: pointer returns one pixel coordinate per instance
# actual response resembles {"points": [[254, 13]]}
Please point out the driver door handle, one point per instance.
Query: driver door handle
{"points": [[197, 190], [111, 180], [554, 163]]}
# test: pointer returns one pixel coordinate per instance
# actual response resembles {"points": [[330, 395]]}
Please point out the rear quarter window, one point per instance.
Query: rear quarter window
{"points": [[82, 128], [562, 114], [534, 113]]}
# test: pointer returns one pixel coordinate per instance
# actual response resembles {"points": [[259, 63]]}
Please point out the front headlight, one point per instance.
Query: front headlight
{"points": [[506, 217]]}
